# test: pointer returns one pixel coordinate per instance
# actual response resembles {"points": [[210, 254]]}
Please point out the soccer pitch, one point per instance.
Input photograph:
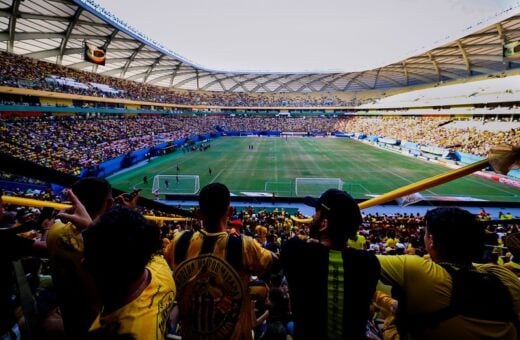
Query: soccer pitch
{"points": [[273, 164]]}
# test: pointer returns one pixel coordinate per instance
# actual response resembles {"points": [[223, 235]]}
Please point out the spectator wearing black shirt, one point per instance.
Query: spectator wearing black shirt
{"points": [[331, 286]]}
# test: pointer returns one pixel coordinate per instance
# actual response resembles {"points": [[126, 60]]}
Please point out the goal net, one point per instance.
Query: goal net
{"points": [[316, 186], [278, 188], [176, 184]]}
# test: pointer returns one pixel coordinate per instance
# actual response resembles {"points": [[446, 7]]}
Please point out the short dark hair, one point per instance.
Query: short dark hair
{"points": [[92, 192], [457, 234], [214, 200], [120, 244]]}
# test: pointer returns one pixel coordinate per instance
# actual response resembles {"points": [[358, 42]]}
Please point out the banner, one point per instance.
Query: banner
{"points": [[93, 54], [410, 199]]}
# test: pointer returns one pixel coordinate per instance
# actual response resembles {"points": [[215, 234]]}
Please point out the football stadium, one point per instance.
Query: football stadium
{"points": [[209, 181]]}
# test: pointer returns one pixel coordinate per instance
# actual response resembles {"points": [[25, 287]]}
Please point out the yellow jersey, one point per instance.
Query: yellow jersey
{"points": [[146, 317], [76, 290], [358, 243], [427, 288]]}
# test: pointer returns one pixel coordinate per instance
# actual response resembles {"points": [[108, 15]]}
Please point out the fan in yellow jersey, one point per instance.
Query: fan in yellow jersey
{"points": [[145, 317], [212, 269], [449, 297], [137, 292], [357, 241], [76, 290], [135, 285]]}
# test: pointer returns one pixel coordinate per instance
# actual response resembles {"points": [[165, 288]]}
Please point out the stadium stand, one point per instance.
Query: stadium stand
{"points": [[483, 125], [462, 135], [72, 144], [77, 122], [503, 89], [46, 138], [22, 72]]}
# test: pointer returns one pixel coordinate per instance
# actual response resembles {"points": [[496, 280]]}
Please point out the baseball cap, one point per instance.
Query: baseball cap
{"points": [[338, 205]]}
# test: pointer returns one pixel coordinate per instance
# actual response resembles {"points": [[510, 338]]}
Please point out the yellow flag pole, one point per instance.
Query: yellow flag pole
{"points": [[425, 184], [418, 186], [30, 202]]}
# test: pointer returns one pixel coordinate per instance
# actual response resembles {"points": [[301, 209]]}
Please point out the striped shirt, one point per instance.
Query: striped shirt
{"points": [[255, 260]]}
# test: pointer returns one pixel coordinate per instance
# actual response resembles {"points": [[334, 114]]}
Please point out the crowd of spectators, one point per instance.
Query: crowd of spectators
{"points": [[70, 144], [382, 233], [6, 176], [430, 131], [303, 124], [19, 71], [388, 234], [395, 233]]}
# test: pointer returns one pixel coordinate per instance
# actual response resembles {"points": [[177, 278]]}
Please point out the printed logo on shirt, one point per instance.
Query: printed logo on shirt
{"points": [[210, 297], [163, 313]]}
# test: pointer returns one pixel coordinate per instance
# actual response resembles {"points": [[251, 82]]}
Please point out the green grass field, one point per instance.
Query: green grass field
{"points": [[274, 163]]}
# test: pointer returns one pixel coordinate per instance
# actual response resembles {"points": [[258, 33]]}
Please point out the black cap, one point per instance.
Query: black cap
{"points": [[338, 205]]}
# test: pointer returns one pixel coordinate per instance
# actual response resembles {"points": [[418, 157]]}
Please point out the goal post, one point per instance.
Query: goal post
{"points": [[316, 186], [176, 184], [278, 188]]}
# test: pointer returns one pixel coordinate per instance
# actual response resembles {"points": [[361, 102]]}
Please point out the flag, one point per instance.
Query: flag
{"points": [[93, 54], [504, 158], [409, 199]]}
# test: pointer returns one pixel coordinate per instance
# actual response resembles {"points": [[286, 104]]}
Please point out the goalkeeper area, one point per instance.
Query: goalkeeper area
{"points": [[176, 184], [296, 167]]}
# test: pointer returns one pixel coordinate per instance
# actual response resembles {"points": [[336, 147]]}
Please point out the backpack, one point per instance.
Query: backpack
{"points": [[210, 290], [474, 294]]}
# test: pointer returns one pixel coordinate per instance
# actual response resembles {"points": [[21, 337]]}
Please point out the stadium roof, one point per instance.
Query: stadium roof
{"points": [[55, 31]]}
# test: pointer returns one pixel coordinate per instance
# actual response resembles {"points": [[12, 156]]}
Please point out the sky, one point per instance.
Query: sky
{"points": [[304, 35]]}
